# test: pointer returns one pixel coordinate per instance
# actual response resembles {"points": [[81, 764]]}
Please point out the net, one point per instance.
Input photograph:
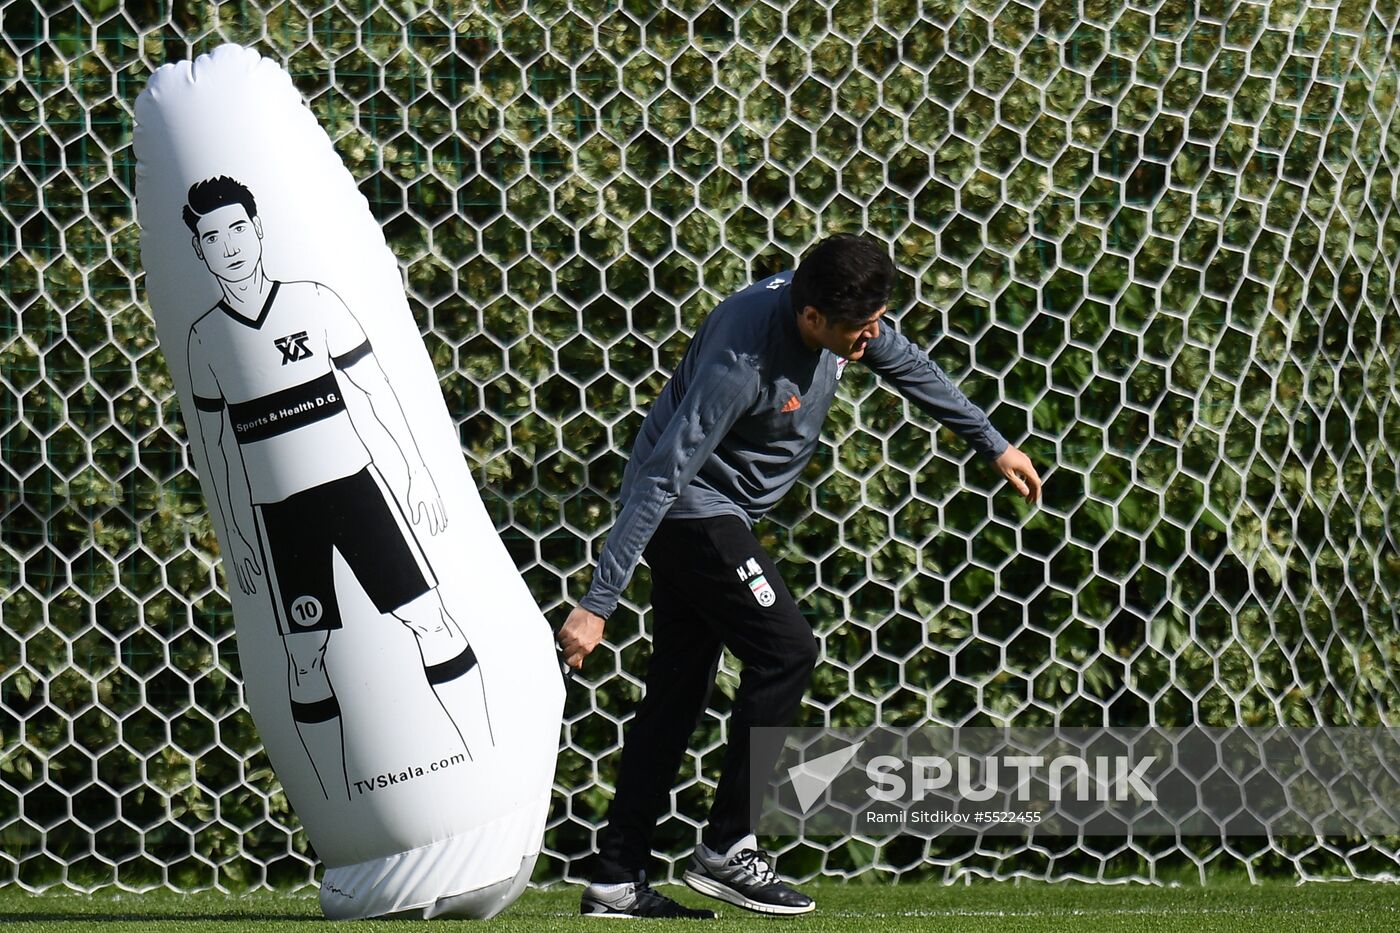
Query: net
{"points": [[1157, 241]]}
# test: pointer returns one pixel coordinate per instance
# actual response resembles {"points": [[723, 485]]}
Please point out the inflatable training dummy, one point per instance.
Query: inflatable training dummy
{"points": [[401, 676]]}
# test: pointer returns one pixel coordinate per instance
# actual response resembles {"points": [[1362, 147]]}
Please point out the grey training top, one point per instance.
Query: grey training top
{"points": [[725, 437]]}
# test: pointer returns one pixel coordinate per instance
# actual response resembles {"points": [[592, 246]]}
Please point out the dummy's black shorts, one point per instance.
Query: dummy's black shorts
{"points": [[357, 516]]}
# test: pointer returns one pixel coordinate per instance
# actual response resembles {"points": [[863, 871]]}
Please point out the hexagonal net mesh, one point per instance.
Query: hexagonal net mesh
{"points": [[1156, 240]]}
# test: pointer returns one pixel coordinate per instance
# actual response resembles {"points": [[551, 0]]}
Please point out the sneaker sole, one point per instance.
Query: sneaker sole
{"points": [[608, 914], [603, 910], [721, 892]]}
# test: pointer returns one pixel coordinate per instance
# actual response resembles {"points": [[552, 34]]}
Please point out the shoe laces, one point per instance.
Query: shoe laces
{"points": [[753, 862], [649, 896]]}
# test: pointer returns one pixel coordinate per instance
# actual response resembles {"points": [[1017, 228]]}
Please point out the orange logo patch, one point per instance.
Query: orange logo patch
{"points": [[792, 404]]}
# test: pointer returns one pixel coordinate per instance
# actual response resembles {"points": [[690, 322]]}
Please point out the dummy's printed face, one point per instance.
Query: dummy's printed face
{"points": [[848, 339], [229, 242]]}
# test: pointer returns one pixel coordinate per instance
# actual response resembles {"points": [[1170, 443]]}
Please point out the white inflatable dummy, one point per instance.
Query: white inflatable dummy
{"points": [[401, 676]]}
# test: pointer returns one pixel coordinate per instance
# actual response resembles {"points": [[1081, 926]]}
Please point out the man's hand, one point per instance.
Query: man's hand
{"points": [[245, 563], [579, 636], [1020, 472], [424, 501]]}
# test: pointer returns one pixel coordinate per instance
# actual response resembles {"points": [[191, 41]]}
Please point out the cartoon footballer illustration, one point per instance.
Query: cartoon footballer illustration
{"points": [[270, 363]]}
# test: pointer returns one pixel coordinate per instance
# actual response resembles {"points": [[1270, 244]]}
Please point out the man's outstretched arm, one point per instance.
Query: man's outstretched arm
{"points": [[922, 381]]}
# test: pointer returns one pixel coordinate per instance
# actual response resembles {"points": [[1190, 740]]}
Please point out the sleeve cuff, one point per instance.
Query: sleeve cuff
{"points": [[994, 445], [597, 606]]}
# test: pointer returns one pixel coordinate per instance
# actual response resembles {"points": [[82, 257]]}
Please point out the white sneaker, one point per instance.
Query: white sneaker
{"points": [[743, 877]]}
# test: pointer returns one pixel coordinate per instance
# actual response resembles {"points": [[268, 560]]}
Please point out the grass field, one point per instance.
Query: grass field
{"points": [[1005, 908]]}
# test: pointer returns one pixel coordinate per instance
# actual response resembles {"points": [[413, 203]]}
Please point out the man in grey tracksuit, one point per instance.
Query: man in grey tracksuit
{"points": [[728, 436]]}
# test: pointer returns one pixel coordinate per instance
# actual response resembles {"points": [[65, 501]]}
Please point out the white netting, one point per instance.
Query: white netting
{"points": [[1158, 241]]}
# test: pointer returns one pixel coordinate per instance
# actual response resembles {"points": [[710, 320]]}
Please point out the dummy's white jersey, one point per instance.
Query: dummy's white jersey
{"points": [[276, 376]]}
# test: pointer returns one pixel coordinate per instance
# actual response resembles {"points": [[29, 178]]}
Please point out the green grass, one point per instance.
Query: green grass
{"points": [[1001, 907]]}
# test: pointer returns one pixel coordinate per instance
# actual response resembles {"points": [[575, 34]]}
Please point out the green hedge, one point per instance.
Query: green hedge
{"points": [[1158, 244]]}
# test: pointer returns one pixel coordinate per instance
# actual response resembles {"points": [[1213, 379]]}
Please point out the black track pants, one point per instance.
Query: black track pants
{"points": [[712, 586]]}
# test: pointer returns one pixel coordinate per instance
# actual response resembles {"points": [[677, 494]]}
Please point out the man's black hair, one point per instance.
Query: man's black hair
{"points": [[214, 193], [846, 277]]}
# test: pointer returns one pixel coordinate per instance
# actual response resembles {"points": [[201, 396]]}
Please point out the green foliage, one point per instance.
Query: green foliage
{"points": [[1157, 246]]}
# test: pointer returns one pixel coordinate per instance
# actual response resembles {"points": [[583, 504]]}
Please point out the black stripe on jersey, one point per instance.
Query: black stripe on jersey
{"points": [[346, 360], [262, 315], [208, 404], [261, 418]]}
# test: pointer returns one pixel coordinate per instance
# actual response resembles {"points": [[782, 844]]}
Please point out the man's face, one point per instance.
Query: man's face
{"points": [[846, 338], [229, 242]]}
